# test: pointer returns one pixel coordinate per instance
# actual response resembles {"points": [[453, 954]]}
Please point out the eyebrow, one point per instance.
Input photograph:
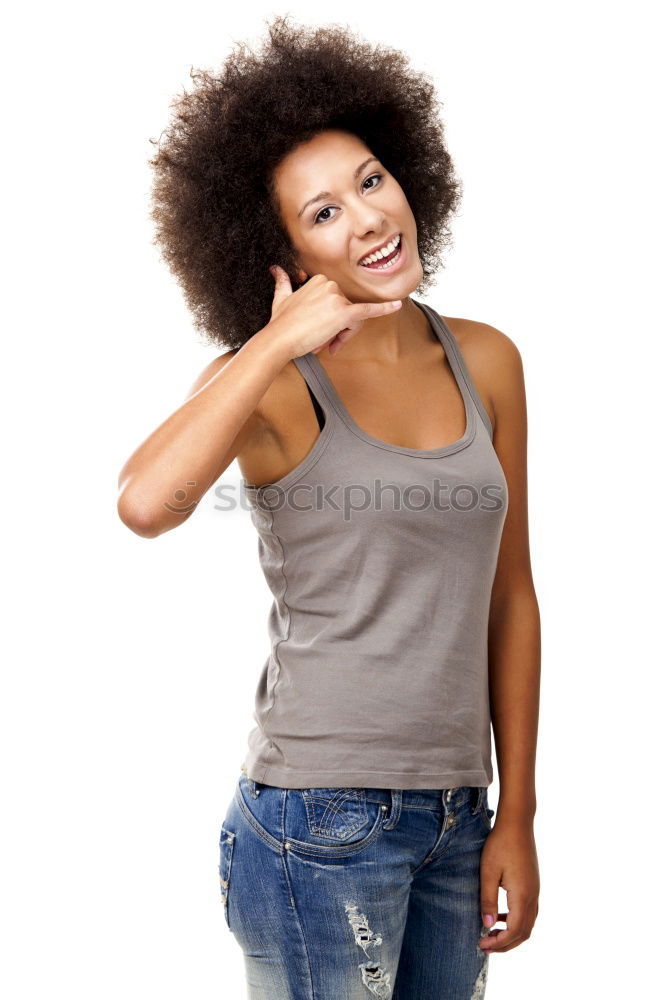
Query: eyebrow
{"points": [[327, 194]]}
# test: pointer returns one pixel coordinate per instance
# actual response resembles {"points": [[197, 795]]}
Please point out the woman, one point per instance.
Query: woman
{"points": [[379, 444]]}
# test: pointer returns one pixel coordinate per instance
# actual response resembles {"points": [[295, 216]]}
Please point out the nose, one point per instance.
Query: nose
{"points": [[368, 219]]}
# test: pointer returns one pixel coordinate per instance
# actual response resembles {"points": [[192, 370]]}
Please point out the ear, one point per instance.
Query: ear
{"points": [[302, 275]]}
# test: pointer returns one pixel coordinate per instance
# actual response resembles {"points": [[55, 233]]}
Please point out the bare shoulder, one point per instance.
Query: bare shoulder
{"points": [[493, 359], [486, 347]]}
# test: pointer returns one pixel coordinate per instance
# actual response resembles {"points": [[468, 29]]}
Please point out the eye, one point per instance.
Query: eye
{"points": [[371, 178], [329, 208]]}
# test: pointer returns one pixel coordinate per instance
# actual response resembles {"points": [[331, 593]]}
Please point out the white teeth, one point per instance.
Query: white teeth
{"points": [[384, 252]]}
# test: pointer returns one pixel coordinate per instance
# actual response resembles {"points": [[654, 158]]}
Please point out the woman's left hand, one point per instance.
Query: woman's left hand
{"points": [[509, 859]]}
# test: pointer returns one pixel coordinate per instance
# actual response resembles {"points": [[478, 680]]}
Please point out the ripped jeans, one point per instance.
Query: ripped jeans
{"points": [[351, 893]]}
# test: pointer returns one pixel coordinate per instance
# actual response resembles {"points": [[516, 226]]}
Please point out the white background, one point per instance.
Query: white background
{"points": [[130, 664]]}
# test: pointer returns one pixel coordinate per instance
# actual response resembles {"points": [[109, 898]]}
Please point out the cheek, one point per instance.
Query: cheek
{"points": [[397, 203], [329, 245], [403, 207]]}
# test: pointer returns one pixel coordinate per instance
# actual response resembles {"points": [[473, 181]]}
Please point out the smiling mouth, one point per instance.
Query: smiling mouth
{"points": [[386, 263]]}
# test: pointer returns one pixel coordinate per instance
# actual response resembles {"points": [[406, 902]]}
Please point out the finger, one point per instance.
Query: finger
{"points": [[490, 883], [515, 932], [360, 311], [342, 338], [282, 285], [317, 350], [501, 941], [487, 933], [337, 343]]}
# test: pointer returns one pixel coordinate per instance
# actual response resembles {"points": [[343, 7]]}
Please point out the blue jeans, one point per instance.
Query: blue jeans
{"points": [[350, 893]]}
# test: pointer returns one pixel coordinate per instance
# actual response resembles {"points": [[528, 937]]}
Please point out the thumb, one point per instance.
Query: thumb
{"points": [[282, 285]]}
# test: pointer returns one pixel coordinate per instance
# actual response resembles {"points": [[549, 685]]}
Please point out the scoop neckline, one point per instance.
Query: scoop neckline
{"points": [[438, 325]]}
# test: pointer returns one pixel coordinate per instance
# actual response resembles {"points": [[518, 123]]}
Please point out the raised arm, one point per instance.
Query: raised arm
{"points": [[165, 477]]}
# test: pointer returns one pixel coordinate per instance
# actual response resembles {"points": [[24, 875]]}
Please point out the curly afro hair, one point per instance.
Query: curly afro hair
{"points": [[213, 204]]}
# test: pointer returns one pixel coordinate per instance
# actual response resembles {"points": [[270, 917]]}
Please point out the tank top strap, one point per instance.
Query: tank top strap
{"points": [[316, 384], [455, 351], [320, 387]]}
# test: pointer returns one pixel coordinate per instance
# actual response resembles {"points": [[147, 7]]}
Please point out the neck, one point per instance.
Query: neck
{"points": [[388, 339]]}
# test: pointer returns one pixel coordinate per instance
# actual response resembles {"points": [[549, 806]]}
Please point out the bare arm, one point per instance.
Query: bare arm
{"points": [[163, 480], [190, 450], [514, 634], [509, 857]]}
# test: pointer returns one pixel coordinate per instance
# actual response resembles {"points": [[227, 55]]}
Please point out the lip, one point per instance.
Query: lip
{"points": [[398, 263], [378, 247]]}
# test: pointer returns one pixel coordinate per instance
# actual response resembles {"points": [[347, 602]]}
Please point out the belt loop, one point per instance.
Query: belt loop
{"points": [[447, 795], [396, 809]]}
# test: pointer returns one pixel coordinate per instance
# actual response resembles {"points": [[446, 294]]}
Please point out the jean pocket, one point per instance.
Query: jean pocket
{"points": [[335, 814], [333, 823], [227, 839]]}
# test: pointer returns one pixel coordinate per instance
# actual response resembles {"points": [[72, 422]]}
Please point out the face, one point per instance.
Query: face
{"points": [[339, 204]]}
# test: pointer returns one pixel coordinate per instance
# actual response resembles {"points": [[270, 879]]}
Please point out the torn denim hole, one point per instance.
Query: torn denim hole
{"points": [[485, 931], [362, 933], [481, 980], [377, 980], [479, 991]]}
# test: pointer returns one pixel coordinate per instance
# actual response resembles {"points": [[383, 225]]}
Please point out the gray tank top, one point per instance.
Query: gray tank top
{"points": [[381, 561]]}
